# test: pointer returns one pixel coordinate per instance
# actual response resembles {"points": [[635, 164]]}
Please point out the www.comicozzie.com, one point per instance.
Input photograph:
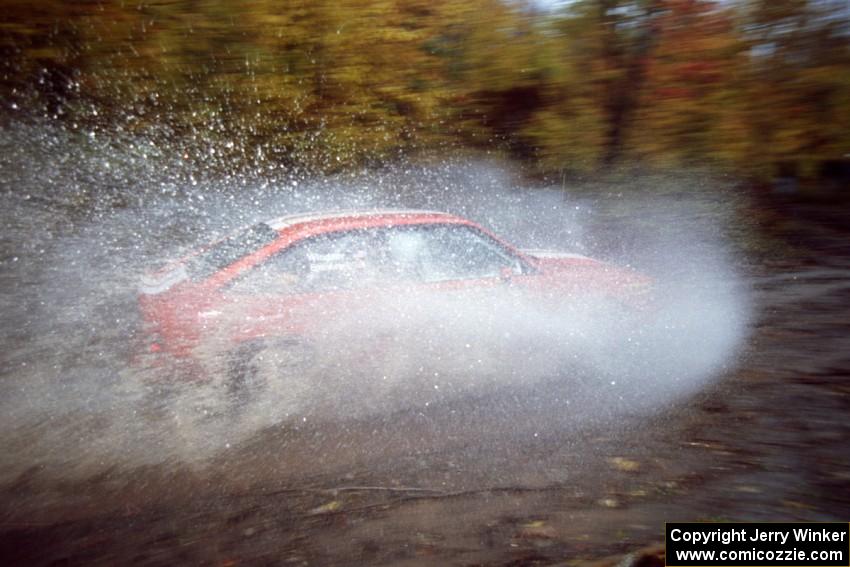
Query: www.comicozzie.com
{"points": [[758, 544]]}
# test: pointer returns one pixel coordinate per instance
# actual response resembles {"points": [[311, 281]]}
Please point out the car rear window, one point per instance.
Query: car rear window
{"points": [[227, 251]]}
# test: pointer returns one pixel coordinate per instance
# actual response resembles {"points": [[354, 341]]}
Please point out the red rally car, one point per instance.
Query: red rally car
{"points": [[288, 278]]}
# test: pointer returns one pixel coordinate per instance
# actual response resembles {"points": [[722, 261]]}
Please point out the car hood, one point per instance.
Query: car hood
{"points": [[545, 254]]}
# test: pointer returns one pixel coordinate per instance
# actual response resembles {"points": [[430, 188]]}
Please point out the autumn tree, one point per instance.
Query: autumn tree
{"points": [[689, 106], [798, 83], [329, 85]]}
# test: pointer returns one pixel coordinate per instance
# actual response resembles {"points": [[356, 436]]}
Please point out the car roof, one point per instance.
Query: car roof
{"points": [[367, 216]]}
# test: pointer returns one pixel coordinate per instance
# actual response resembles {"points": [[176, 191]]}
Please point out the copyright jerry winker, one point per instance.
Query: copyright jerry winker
{"points": [[758, 544]]}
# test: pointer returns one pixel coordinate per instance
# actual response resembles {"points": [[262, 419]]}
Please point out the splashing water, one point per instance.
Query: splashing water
{"points": [[85, 216]]}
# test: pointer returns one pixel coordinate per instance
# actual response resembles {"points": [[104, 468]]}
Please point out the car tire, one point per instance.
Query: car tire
{"points": [[256, 367]]}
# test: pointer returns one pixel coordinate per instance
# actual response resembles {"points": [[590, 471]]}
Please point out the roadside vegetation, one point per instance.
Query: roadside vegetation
{"points": [[758, 88]]}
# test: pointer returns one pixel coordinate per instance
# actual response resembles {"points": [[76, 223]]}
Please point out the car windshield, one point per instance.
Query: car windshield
{"points": [[227, 251]]}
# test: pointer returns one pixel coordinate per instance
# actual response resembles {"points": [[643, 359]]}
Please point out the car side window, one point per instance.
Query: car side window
{"points": [[460, 252], [335, 261], [346, 260], [439, 253], [284, 272]]}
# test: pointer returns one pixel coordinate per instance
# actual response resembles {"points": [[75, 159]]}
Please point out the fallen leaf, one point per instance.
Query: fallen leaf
{"points": [[537, 530], [331, 506], [625, 465]]}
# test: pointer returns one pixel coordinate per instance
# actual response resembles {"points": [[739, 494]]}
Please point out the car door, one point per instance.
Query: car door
{"points": [[455, 294], [306, 290], [369, 282], [449, 275]]}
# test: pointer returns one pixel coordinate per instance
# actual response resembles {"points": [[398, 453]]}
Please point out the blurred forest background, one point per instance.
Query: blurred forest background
{"points": [[757, 88]]}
